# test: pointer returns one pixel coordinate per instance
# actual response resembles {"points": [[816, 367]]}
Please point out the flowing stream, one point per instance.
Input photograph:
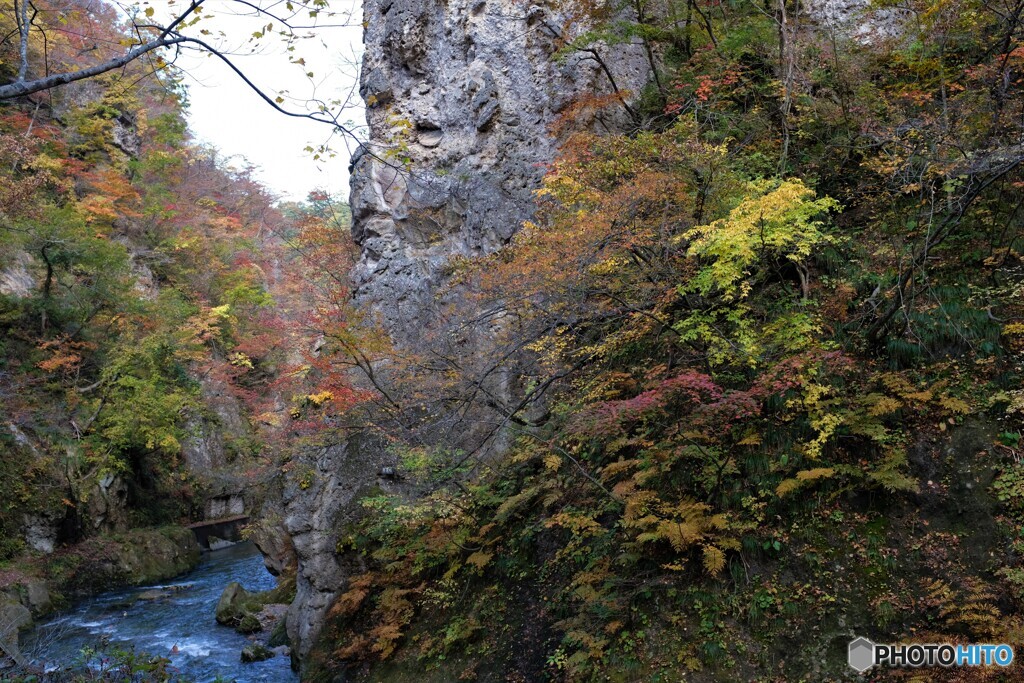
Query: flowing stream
{"points": [[179, 625]]}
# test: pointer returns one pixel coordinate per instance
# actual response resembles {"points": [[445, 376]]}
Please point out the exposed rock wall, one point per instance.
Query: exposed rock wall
{"points": [[861, 20], [318, 517], [16, 279], [467, 91], [461, 97]]}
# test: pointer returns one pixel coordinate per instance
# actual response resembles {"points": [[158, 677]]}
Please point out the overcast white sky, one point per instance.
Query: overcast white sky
{"points": [[227, 114]]}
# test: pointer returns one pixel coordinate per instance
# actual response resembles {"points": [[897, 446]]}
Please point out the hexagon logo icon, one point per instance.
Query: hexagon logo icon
{"points": [[861, 655]]}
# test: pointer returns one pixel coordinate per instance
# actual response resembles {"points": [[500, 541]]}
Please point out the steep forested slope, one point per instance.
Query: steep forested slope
{"points": [[151, 315], [769, 343]]}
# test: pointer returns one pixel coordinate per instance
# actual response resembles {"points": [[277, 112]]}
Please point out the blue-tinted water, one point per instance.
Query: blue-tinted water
{"points": [[180, 626]]}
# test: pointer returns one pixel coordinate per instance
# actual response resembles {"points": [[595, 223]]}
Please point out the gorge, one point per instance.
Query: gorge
{"points": [[670, 340]]}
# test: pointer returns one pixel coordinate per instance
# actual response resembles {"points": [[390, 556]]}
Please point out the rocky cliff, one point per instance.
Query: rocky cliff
{"points": [[461, 99]]}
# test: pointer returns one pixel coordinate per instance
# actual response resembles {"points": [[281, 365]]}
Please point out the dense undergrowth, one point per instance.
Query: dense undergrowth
{"points": [[777, 335]]}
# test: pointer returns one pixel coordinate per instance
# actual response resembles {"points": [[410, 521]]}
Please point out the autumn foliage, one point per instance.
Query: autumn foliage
{"points": [[761, 338]]}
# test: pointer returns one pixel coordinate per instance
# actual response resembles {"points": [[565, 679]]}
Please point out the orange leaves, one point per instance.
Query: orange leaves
{"points": [[352, 599], [112, 197], [66, 355]]}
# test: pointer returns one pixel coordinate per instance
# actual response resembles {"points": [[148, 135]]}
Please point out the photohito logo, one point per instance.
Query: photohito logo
{"points": [[863, 654]]}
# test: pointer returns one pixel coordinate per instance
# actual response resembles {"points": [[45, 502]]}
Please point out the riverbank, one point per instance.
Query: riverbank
{"points": [[33, 587]]}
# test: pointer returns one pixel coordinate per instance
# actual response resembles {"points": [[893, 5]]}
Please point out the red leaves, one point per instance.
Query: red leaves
{"points": [[695, 395]]}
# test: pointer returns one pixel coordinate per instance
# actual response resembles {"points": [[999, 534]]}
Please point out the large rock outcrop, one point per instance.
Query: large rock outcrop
{"points": [[461, 100], [467, 92]]}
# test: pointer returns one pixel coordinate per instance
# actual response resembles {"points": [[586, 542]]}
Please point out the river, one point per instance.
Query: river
{"points": [[184, 619]]}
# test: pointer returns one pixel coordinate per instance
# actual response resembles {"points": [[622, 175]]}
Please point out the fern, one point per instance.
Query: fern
{"points": [[889, 473]]}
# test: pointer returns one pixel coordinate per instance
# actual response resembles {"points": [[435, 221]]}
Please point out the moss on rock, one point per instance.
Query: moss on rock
{"points": [[133, 558]]}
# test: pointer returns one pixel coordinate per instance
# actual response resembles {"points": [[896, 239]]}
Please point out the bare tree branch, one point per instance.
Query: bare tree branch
{"points": [[21, 88]]}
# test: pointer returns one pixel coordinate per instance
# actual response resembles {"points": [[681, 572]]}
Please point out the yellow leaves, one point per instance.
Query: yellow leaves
{"points": [[680, 534], [899, 385], [349, 602], [220, 312], [826, 425], [1014, 400], [714, 560], [752, 438], [879, 405], [552, 461], [513, 504], [44, 163], [610, 266], [787, 486], [269, 418], [683, 525], [240, 360], [578, 524], [775, 220], [889, 473], [210, 324], [954, 405], [618, 467], [320, 398], [479, 559], [816, 402]]}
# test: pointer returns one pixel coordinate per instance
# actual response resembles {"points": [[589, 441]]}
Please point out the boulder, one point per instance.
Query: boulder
{"points": [[248, 624], [253, 612], [217, 543], [153, 555], [233, 604], [255, 653], [162, 594], [37, 594], [14, 617]]}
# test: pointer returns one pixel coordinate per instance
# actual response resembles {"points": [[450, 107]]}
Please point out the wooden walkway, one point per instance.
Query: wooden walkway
{"points": [[215, 522]]}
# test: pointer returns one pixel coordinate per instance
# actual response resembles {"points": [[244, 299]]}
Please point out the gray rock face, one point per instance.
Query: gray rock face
{"points": [[219, 507], [277, 547], [108, 504], [859, 19], [40, 531], [209, 441], [319, 509], [467, 92], [16, 280]]}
